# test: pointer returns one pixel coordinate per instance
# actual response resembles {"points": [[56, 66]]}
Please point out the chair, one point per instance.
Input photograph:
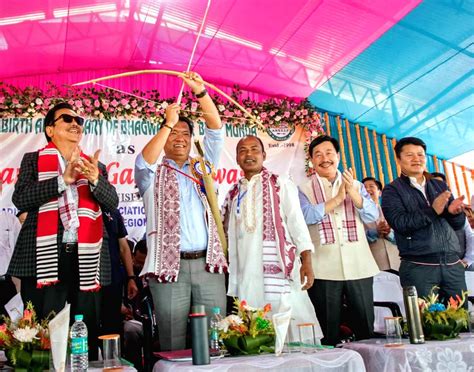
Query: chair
{"points": [[388, 299]]}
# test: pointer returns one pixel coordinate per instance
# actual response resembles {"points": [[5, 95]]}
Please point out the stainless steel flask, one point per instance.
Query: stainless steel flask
{"points": [[415, 328]]}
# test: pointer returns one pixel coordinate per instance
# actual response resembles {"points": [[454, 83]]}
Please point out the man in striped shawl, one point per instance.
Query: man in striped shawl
{"points": [[61, 254], [335, 205], [269, 243], [185, 257]]}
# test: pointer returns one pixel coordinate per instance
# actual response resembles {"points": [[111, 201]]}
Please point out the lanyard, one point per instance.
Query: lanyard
{"points": [[239, 199]]}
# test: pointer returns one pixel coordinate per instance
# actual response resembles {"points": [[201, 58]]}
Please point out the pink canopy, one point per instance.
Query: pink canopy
{"points": [[276, 47]]}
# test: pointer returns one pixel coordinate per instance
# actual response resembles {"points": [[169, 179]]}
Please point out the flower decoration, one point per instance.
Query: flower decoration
{"points": [[102, 103], [26, 341], [441, 322], [248, 331]]}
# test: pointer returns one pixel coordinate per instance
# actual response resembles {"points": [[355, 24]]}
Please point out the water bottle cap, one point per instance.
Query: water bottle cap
{"points": [[216, 310], [78, 317]]}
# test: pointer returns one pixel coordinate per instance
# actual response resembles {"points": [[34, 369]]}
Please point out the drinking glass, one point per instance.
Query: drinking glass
{"points": [[393, 331]]}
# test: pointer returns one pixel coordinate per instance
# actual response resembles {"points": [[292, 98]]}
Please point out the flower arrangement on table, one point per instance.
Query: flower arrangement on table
{"points": [[248, 331], [26, 341], [442, 322]]}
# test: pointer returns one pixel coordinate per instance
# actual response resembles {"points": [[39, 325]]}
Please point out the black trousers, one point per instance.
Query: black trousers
{"points": [[7, 291], [327, 298], [450, 279], [54, 298]]}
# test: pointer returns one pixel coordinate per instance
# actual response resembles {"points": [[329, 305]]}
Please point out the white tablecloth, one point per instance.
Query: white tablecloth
{"points": [[328, 360], [448, 356]]}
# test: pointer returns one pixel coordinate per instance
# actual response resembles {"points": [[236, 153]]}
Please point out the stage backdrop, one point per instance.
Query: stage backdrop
{"points": [[122, 140]]}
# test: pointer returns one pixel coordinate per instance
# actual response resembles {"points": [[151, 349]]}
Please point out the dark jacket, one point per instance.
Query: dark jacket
{"points": [[421, 234], [29, 195]]}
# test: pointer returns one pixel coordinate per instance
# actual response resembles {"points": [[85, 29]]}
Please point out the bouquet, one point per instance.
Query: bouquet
{"points": [[441, 322], [26, 341], [248, 330]]}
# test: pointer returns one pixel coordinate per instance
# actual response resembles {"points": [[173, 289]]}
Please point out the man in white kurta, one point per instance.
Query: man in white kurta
{"points": [[267, 236]]}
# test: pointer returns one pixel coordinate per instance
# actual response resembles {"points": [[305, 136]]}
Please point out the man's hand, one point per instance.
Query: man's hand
{"points": [[456, 205], [132, 289], [440, 202], [341, 194], [306, 270], [90, 168], [172, 114], [126, 312], [383, 228], [348, 181], [72, 168], [193, 80]]}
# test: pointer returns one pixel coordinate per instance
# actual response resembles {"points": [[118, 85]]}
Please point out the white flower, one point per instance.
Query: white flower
{"points": [[277, 118], [38, 101], [26, 334], [164, 105], [228, 321], [221, 108], [450, 360]]}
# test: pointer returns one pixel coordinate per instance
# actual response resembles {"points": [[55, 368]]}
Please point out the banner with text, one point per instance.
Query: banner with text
{"points": [[122, 140]]}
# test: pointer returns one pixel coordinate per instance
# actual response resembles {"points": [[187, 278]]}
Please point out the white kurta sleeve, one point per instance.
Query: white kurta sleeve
{"points": [[293, 216]]}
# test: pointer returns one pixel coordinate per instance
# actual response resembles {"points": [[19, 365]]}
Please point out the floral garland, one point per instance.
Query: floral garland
{"points": [[147, 105]]}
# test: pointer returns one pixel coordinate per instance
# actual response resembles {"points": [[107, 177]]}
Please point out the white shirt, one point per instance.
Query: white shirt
{"points": [[9, 229], [419, 187]]}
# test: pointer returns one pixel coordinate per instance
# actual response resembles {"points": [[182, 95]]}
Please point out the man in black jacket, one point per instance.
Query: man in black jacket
{"points": [[61, 254], [424, 216]]}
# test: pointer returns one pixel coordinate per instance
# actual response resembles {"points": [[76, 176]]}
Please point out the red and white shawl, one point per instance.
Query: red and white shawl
{"points": [[165, 237], [326, 232], [273, 228], [89, 232]]}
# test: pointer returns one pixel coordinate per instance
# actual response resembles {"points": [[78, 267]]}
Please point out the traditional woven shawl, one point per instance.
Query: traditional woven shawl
{"points": [[326, 231], [89, 231], [273, 228], [165, 236]]}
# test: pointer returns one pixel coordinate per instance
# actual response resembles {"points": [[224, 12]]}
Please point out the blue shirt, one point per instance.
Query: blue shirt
{"points": [[314, 213], [192, 215]]}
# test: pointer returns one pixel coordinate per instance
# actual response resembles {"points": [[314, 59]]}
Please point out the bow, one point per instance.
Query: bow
{"points": [[254, 120]]}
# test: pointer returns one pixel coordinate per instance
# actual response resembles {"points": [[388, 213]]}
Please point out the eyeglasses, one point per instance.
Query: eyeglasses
{"points": [[69, 118]]}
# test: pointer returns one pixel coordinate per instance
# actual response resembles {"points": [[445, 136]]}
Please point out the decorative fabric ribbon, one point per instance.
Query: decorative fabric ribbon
{"points": [[326, 230], [165, 243], [89, 230]]}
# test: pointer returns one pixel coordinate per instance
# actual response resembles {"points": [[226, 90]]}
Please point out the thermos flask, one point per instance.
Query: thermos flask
{"points": [[415, 328], [199, 335]]}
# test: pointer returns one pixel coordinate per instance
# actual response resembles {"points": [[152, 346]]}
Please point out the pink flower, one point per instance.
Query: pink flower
{"points": [[298, 113], [194, 106], [263, 115], [78, 103], [286, 114], [105, 105], [96, 103], [134, 104], [271, 113], [114, 103], [87, 102], [151, 104], [304, 112], [15, 101], [124, 101]]}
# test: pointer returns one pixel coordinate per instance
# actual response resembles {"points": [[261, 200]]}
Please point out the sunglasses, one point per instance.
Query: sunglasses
{"points": [[69, 118]]}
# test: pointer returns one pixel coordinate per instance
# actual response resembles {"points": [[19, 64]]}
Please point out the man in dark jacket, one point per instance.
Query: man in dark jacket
{"points": [[424, 216], [61, 254]]}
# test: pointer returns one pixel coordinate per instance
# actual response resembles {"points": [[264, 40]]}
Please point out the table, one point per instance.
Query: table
{"points": [[328, 360], [450, 355]]}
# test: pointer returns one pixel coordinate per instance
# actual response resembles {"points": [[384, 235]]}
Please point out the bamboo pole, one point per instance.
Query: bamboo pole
{"points": [[466, 183], [341, 142], [377, 155], [394, 142], [362, 157], [387, 158], [436, 165], [456, 179], [369, 150], [212, 198], [445, 166], [328, 124], [351, 152]]}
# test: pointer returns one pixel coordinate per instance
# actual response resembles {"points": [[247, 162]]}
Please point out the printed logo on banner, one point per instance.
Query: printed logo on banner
{"points": [[282, 132]]}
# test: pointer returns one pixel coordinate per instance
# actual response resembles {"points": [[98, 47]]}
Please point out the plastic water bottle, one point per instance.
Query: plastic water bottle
{"points": [[216, 318], [79, 349]]}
